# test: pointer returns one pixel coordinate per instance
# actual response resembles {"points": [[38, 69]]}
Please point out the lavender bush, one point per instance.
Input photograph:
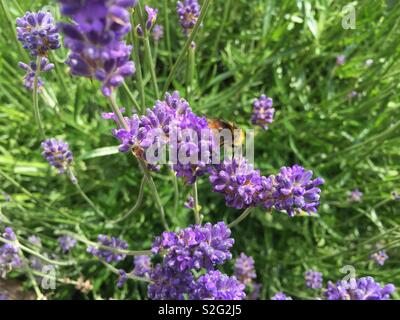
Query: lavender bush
{"points": [[198, 156]]}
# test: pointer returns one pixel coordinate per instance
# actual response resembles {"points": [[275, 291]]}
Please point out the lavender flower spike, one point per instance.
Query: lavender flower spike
{"points": [[340, 60], [142, 266], [292, 190], [158, 32], [151, 16], [281, 296], [9, 253], [35, 240], [57, 153], [313, 279], [195, 247], [238, 181], [359, 289], [38, 33], [169, 284], [189, 204], [188, 12], [67, 243], [215, 285], [31, 70], [96, 40], [244, 269], [107, 254], [263, 113], [356, 196], [380, 257]]}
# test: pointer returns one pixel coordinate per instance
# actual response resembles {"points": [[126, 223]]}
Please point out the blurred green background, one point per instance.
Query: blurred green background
{"points": [[286, 49]]}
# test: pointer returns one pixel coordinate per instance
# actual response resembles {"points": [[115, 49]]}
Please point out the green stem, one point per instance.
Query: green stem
{"points": [[176, 192], [153, 189], [190, 72], [137, 204], [34, 253], [143, 166], [139, 75], [196, 204], [147, 51], [117, 112], [83, 194], [129, 275], [131, 97], [35, 105], [86, 241], [241, 217], [149, 59], [39, 294], [60, 76], [167, 31], [155, 54], [188, 42]]}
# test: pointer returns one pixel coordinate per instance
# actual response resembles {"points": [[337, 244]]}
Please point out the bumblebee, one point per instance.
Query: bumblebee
{"points": [[237, 133]]}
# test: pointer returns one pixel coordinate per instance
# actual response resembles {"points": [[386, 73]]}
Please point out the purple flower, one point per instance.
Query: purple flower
{"points": [[215, 285], [38, 33], [244, 269], [112, 115], [106, 254], [191, 140], [359, 289], [158, 32], [292, 190], [238, 181], [313, 279], [3, 297], [123, 277], [195, 247], [35, 263], [352, 95], [142, 266], [281, 296], [341, 60], [263, 113], [188, 12], [380, 257], [132, 137], [170, 122], [356, 196], [9, 234], [151, 16], [96, 40], [189, 204], [9, 253], [169, 284], [31, 70], [57, 153], [66, 243], [35, 240]]}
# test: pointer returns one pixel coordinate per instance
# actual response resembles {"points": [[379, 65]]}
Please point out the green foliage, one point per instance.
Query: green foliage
{"points": [[286, 49]]}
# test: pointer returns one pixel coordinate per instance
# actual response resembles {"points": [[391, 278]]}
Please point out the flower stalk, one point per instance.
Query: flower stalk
{"points": [[188, 42], [35, 98], [241, 217]]}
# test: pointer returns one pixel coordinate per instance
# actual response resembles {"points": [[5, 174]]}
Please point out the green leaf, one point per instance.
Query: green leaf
{"points": [[99, 152]]}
